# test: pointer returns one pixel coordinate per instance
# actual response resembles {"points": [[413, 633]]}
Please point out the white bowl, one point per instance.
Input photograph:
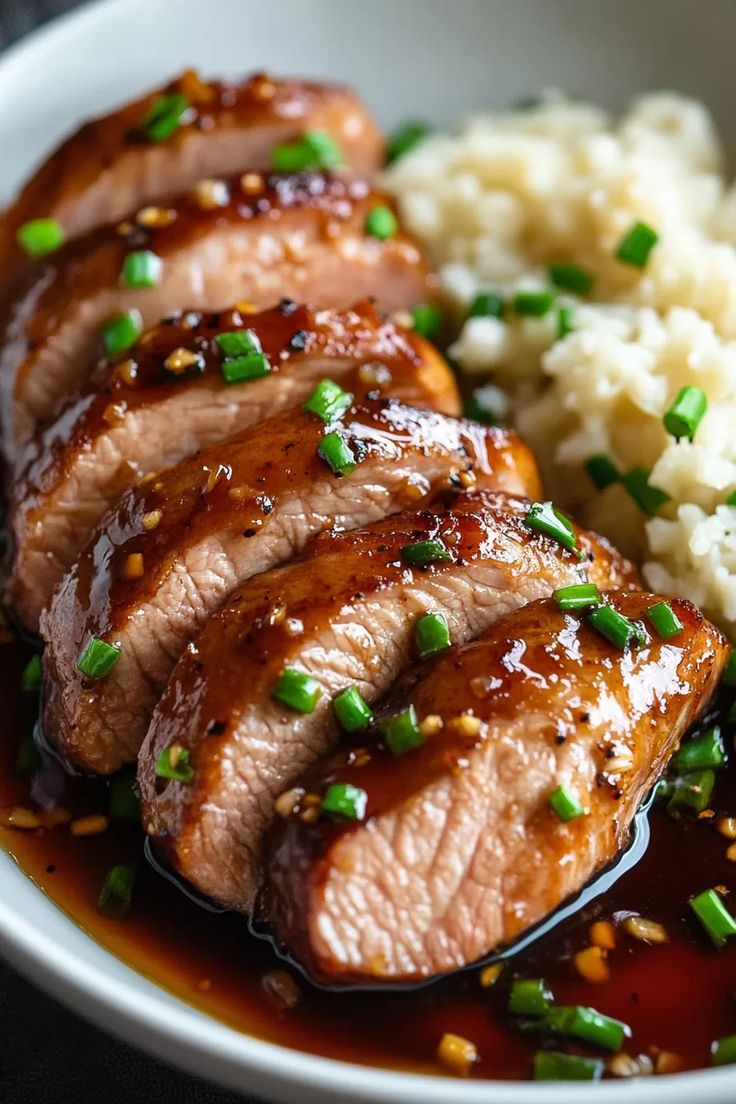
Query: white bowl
{"points": [[429, 58]]}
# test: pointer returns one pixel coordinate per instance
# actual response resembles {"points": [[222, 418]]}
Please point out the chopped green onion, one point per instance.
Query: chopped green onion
{"points": [[636, 245], [714, 916], [665, 620], [297, 690], [731, 500], [570, 277], [116, 895], [729, 674], [381, 222], [432, 634], [97, 658], [551, 1065], [328, 401], [529, 997], [164, 117], [427, 319], [619, 629], [175, 762], [702, 752], [28, 760], [405, 138], [124, 801], [723, 1051], [533, 304], [335, 451], [692, 793], [565, 805], [487, 304], [245, 368], [344, 802], [686, 412], [315, 151], [401, 733], [544, 518], [351, 710], [425, 552], [565, 319], [588, 1025], [602, 471], [647, 497], [121, 332], [141, 269], [479, 406], [578, 596], [40, 237], [236, 343], [30, 680]]}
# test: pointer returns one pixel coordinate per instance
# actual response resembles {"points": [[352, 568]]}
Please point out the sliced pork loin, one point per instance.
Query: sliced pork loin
{"points": [[139, 415], [259, 239], [345, 615], [456, 848], [177, 546], [114, 165]]}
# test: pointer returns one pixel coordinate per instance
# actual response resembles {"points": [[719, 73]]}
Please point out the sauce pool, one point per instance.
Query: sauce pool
{"points": [[677, 997]]}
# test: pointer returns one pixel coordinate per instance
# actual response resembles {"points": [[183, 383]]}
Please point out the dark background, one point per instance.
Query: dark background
{"points": [[47, 1055]]}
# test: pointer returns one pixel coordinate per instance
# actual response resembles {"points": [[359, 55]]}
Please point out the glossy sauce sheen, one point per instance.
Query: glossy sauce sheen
{"points": [[678, 996]]}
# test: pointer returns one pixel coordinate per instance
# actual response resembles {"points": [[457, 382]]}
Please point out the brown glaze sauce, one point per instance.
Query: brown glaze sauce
{"points": [[677, 997]]}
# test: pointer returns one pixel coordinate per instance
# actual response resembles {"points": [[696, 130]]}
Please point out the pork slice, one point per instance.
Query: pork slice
{"points": [[302, 236], [139, 416], [111, 167], [344, 614], [232, 511], [458, 850]]}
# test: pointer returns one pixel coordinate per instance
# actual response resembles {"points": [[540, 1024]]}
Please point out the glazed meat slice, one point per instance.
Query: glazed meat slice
{"points": [[115, 165], [344, 615], [458, 850], [258, 239], [140, 415], [191, 535]]}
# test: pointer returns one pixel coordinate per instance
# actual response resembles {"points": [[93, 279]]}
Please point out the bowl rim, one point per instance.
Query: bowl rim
{"points": [[162, 1024]]}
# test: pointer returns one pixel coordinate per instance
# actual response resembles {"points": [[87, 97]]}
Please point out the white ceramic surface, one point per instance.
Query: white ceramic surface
{"points": [[432, 58]]}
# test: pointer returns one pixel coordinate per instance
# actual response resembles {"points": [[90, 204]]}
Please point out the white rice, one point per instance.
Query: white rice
{"points": [[563, 183]]}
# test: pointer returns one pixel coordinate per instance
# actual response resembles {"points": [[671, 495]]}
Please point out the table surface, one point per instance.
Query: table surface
{"points": [[48, 1055]]}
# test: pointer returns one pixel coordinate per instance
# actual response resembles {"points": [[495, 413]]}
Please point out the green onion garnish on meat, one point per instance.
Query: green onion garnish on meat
{"points": [[619, 629], [578, 596], [116, 895], [723, 1051], [381, 222], [544, 518], [328, 401], [97, 658], [714, 916], [686, 412], [552, 1065], [570, 277], [121, 332], [141, 269], [425, 552], [30, 680], [235, 343], [352, 711], [405, 138], [565, 320], [529, 997], [665, 620], [586, 1024], [337, 453], [175, 763], [487, 304], [704, 751], [124, 801], [647, 497], [245, 368], [602, 471], [39, 237], [344, 802], [565, 805], [164, 117], [297, 690], [432, 634], [533, 304], [316, 151], [636, 245], [427, 319], [691, 793], [401, 732]]}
